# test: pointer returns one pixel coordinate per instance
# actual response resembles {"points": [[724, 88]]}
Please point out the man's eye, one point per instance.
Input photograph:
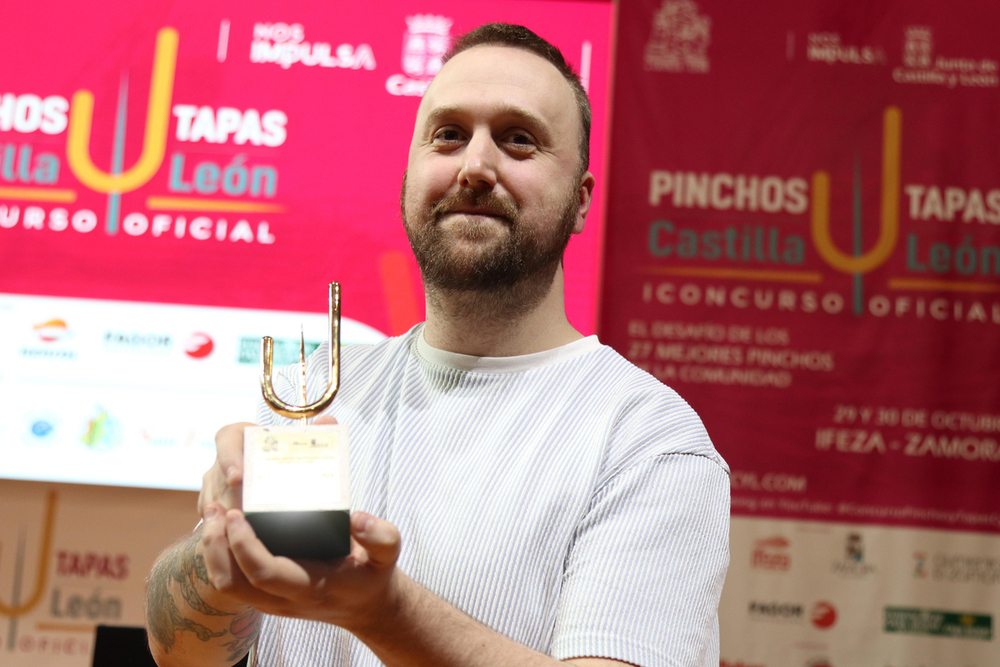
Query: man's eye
{"points": [[447, 136], [520, 141]]}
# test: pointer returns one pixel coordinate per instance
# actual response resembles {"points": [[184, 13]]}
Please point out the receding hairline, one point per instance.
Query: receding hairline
{"points": [[514, 110]]}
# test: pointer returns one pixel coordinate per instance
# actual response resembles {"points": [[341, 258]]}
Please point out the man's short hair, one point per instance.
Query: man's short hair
{"points": [[519, 37]]}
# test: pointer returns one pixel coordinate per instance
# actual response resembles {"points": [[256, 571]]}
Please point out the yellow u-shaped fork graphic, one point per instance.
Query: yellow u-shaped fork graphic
{"points": [[42, 574], [892, 121], [154, 142]]}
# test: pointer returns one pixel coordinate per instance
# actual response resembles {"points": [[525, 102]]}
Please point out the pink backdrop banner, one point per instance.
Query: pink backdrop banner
{"points": [[806, 212], [240, 154]]}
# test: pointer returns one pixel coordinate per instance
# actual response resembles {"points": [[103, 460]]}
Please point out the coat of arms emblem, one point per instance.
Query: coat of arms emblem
{"points": [[425, 42], [680, 38]]}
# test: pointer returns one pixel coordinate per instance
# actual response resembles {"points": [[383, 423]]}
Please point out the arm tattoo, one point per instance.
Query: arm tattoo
{"points": [[245, 628], [182, 565]]}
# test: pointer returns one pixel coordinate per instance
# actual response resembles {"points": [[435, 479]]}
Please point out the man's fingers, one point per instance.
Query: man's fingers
{"points": [[229, 452], [379, 538], [277, 577], [215, 547]]}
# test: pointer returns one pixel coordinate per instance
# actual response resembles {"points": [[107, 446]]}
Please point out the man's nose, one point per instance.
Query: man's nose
{"points": [[479, 163]]}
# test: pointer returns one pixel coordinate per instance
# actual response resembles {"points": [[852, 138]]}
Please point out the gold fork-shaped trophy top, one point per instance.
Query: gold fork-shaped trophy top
{"points": [[306, 410]]}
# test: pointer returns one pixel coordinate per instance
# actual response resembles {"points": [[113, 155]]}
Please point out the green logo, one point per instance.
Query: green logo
{"points": [[938, 623], [103, 431], [286, 350]]}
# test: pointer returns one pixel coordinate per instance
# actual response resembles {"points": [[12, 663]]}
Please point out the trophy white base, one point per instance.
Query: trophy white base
{"points": [[296, 489], [305, 535]]}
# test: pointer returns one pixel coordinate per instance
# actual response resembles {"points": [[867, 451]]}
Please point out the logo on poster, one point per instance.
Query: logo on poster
{"points": [[134, 342], [199, 345], [934, 622], [52, 334], [51, 331], [853, 563], [827, 47], [918, 47], [958, 568], [425, 42], [823, 615], [103, 431], [920, 65], [283, 43], [25, 602], [680, 38], [40, 429], [776, 611], [771, 554], [28, 112], [286, 350], [920, 565]]}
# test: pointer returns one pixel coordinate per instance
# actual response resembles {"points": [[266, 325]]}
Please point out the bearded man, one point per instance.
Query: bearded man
{"points": [[521, 494]]}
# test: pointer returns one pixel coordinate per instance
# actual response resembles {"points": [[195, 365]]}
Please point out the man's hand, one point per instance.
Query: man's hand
{"points": [[351, 592], [223, 483], [355, 592]]}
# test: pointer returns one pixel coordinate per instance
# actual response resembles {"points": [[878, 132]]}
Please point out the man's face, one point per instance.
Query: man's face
{"points": [[493, 189]]}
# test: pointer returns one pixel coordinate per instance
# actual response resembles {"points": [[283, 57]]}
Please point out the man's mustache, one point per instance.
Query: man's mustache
{"points": [[486, 202]]}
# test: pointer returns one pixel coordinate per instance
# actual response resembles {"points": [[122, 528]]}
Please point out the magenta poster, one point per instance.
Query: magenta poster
{"points": [[806, 213], [241, 154]]}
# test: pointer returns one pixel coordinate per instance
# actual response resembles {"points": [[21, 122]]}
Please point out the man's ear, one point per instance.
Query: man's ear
{"points": [[586, 197]]}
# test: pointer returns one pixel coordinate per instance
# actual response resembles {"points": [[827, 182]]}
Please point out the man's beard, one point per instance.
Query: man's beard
{"points": [[523, 256]]}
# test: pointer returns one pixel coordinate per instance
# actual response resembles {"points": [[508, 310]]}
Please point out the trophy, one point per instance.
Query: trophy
{"points": [[296, 479]]}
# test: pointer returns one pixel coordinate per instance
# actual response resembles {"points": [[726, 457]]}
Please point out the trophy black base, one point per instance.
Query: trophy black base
{"points": [[308, 535]]}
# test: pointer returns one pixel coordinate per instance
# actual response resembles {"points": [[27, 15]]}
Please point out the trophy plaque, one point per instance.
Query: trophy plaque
{"points": [[296, 479]]}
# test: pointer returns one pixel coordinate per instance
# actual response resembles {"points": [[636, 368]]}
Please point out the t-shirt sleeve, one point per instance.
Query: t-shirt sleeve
{"points": [[645, 571]]}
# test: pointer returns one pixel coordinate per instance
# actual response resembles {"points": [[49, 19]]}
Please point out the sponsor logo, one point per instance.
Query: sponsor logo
{"points": [[103, 431], [827, 47], [776, 610], [922, 66], [961, 625], [823, 615], [133, 342], [199, 345], [853, 563], [284, 44], [286, 350], [771, 554], [957, 568], [40, 429], [51, 333], [920, 565], [425, 41], [679, 38]]}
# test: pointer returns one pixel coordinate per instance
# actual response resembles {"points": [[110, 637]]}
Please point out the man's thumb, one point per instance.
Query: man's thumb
{"points": [[379, 538]]}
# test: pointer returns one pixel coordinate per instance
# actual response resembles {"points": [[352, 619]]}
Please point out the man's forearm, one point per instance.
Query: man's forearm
{"points": [[189, 622], [422, 630]]}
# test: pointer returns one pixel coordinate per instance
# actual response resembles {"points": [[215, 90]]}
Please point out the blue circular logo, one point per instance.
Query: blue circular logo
{"points": [[41, 428]]}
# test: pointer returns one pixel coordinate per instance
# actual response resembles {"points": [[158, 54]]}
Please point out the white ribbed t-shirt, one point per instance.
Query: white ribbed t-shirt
{"points": [[566, 499]]}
